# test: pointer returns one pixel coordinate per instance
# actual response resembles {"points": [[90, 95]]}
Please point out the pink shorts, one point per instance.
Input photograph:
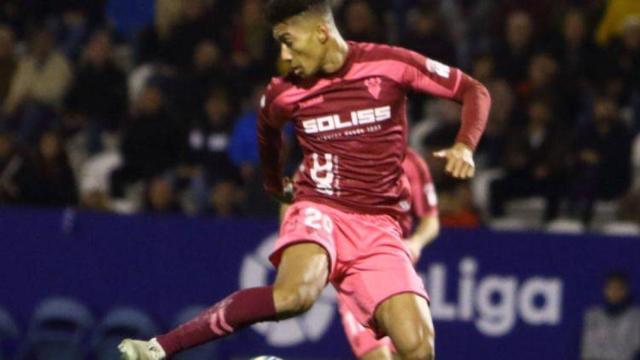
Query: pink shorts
{"points": [[369, 261]]}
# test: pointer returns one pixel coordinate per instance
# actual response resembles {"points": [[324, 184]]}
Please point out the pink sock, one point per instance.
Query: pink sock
{"points": [[240, 309]]}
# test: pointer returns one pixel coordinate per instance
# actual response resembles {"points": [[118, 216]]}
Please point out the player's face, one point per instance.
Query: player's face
{"points": [[302, 45]]}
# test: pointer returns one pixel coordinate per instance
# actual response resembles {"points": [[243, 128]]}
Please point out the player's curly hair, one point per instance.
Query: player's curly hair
{"points": [[280, 10]]}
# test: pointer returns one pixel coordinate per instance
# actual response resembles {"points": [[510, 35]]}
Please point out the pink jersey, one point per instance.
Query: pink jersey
{"points": [[352, 125], [424, 201]]}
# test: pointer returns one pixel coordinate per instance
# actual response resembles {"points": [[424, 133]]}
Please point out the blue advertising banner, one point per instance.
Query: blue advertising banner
{"points": [[494, 295]]}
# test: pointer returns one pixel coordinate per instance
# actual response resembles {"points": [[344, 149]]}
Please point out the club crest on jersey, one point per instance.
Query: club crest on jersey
{"points": [[359, 117], [374, 86]]}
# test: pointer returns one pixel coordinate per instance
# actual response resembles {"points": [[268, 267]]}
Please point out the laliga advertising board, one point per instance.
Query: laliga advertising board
{"points": [[492, 304], [494, 295]]}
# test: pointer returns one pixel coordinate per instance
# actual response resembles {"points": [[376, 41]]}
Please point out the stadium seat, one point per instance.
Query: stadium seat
{"points": [[604, 212], [480, 187], [118, 324], [621, 228], [530, 210], [508, 224], [565, 226], [57, 330], [204, 352], [8, 334]]}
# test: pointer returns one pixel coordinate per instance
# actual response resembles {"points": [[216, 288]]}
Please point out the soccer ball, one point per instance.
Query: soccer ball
{"points": [[266, 357]]}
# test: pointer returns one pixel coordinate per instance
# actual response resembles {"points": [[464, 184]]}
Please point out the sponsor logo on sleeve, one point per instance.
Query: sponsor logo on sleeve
{"points": [[438, 68]]}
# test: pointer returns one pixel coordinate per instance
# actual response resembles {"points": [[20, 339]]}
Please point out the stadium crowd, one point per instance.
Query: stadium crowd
{"points": [[108, 112]]}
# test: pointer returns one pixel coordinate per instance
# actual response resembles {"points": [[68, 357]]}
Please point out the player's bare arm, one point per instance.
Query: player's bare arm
{"points": [[426, 232]]}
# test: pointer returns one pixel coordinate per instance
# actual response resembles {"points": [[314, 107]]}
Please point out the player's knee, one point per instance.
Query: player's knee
{"points": [[292, 301], [381, 353], [420, 348], [422, 351]]}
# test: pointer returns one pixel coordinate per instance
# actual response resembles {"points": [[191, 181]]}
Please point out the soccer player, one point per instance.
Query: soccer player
{"points": [[424, 211], [347, 102]]}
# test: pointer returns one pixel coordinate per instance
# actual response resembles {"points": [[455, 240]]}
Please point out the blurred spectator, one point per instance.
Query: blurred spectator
{"points": [[484, 68], [428, 35], [512, 54], [73, 30], [490, 149], [38, 87], [545, 49], [249, 40], [573, 49], [207, 71], [439, 127], [243, 147], [614, 17], [160, 197], [152, 39], [542, 81], [8, 61], [577, 59], [194, 26], [16, 172], [94, 180], [150, 141], [603, 158], [225, 199], [127, 17], [612, 331], [99, 92], [543, 13], [534, 161], [209, 138], [360, 23], [624, 59], [629, 209], [12, 13], [56, 183], [207, 160], [243, 152]]}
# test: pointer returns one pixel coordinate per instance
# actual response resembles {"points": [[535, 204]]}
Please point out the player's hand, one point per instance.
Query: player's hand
{"points": [[460, 163]]}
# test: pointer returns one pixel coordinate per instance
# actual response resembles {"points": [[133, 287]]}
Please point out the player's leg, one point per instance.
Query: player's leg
{"points": [[380, 353], [302, 274], [406, 319], [363, 342], [382, 288]]}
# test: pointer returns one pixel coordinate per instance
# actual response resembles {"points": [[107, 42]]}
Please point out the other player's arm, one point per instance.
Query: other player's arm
{"points": [[426, 232], [424, 203], [431, 77]]}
